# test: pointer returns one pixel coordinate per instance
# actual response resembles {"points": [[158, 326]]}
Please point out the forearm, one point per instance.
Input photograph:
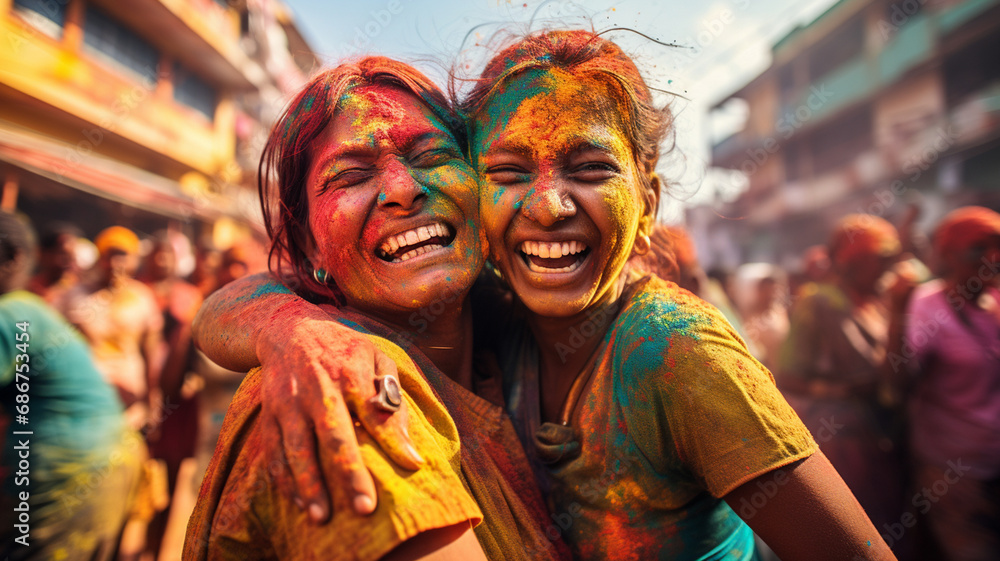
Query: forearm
{"points": [[811, 516], [231, 320]]}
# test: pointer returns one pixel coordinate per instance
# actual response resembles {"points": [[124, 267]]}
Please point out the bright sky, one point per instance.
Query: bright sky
{"points": [[725, 44]]}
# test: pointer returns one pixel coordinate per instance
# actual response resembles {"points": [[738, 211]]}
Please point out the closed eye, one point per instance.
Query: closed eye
{"points": [[433, 158], [594, 172], [347, 178], [507, 174]]}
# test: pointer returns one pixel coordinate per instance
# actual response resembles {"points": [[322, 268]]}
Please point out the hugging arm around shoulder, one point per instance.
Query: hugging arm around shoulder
{"points": [[240, 514]]}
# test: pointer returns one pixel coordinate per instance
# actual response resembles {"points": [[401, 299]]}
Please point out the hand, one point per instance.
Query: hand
{"points": [[315, 373]]}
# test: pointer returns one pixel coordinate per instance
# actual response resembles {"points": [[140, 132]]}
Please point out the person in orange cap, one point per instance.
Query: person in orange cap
{"points": [[952, 353], [832, 365], [119, 317]]}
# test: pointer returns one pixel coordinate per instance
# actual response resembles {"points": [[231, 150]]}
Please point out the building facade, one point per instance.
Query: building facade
{"points": [[873, 107], [144, 113]]}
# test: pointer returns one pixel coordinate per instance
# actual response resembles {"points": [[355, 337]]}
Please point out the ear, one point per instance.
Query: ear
{"points": [[309, 246], [651, 202]]}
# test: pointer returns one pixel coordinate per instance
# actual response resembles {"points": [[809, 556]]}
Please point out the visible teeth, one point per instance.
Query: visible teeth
{"points": [[539, 269], [417, 252], [555, 250], [421, 234]]}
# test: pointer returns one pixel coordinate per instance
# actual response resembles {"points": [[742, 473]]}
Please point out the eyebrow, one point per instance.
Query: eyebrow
{"points": [[366, 151], [587, 145], [431, 136]]}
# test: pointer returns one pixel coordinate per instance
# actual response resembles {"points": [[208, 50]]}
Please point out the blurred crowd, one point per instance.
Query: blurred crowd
{"points": [[887, 344], [132, 302]]}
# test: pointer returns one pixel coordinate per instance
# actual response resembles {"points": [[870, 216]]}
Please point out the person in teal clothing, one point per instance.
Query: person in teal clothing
{"points": [[63, 419]]}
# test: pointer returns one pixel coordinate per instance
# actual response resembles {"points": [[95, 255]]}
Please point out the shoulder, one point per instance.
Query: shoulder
{"points": [[685, 377], [822, 295], [21, 305], [239, 501], [139, 289], [928, 294], [664, 326]]}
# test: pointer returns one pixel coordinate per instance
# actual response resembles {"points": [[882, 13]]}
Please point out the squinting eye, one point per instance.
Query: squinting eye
{"points": [[507, 175], [433, 158], [347, 178], [593, 172]]}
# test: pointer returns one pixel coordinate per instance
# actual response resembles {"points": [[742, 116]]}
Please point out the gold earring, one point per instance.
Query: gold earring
{"points": [[642, 244]]}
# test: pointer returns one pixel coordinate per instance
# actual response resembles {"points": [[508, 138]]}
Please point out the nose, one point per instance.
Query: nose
{"points": [[548, 206], [400, 191]]}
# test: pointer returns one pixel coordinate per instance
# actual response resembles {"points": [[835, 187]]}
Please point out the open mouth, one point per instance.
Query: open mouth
{"points": [[554, 257], [416, 242]]}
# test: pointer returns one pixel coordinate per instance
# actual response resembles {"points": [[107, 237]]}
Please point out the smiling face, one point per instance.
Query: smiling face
{"points": [[561, 197], [392, 204]]}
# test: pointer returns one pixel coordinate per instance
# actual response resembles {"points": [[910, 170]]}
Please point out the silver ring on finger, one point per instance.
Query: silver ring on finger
{"points": [[389, 396]]}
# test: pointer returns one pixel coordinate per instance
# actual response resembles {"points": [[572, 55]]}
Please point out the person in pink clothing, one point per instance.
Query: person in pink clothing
{"points": [[952, 350]]}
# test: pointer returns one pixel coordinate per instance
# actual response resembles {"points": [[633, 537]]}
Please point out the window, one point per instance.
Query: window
{"points": [[110, 38], [47, 15], [194, 92], [839, 47], [839, 142]]}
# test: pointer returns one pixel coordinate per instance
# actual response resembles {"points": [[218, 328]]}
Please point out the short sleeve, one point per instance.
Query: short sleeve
{"points": [[718, 407], [409, 503]]}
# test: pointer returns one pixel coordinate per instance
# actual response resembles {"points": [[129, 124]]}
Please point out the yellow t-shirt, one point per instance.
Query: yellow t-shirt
{"points": [[675, 416], [242, 515]]}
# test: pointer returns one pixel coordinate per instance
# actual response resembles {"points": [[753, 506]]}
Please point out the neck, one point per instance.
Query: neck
{"points": [[566, 345], [444, 338]]}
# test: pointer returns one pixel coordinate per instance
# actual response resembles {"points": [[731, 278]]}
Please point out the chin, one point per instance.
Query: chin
{"points": [[552, 308]]}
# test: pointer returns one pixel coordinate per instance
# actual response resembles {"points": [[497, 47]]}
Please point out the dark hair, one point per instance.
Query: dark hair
{"points": [[16, 238], [581, 53], [281, 178], [49, 238]]}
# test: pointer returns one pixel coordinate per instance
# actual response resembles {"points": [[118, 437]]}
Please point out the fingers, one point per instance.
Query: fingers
{"points": [[388, 429], [299, 446], [277, 464], [335, 432]]}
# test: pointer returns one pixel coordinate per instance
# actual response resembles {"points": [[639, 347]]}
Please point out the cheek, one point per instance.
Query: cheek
{"points": [[497, 206], [334, 230], [621, 211]]}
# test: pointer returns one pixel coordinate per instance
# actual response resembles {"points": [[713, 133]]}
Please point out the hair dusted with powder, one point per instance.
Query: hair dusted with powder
{"points": [[285, 161], [581, 53]]}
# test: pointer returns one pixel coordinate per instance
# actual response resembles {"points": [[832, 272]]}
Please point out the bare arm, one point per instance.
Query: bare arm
{"points": [[230, 321], [809, 514], [454, 543], [315, 373]]}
